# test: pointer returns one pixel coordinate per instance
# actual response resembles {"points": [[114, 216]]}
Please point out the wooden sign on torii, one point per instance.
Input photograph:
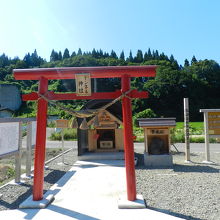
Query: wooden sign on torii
{"points": [[45, 74]]}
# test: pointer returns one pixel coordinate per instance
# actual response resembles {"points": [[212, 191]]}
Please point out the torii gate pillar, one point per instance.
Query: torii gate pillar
{"points": [[40, 141], [128, 140]]}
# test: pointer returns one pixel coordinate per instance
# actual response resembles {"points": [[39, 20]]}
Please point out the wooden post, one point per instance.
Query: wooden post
{"points": [[62, 135], [40, 142], [28, 150], [186, 129], [128, 140], [18, 156], [206, 129]]}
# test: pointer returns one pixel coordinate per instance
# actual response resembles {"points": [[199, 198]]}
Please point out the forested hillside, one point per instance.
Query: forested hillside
{"points": [[199, 80]]}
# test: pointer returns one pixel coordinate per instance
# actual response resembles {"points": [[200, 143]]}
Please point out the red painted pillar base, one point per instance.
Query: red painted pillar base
{"points": [[128, 140], [40, 142]]}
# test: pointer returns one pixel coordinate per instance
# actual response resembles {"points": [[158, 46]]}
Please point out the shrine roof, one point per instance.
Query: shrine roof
{"points": [[115, 109], [155, 122]]}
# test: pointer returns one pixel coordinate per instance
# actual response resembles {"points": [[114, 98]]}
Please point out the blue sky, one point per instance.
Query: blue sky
{"points": [[182, 28]]}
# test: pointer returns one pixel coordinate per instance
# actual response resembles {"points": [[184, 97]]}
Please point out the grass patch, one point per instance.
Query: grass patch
{"points": [[6, 172], [196, 125], [195, 128], [70, 134], [177, 135]]}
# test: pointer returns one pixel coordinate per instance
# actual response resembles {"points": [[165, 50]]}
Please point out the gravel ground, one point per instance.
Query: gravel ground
{"points": [[189, 191], [13, 195]]}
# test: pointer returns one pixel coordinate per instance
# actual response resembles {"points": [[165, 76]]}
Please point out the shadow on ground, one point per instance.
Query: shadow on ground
{"points": [[173, 213], [51, 178], [195, 168]]}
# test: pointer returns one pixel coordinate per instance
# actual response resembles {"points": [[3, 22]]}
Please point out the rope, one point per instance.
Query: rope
{"points": [[88, 112], [117, 99]]}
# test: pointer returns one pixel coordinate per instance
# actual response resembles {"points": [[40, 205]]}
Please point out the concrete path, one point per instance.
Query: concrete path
{"points": [[197, 147], [90, 190], [139, 147], [55, 144]]}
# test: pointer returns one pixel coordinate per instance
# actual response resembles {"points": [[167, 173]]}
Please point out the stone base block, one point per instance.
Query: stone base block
{"points": [[208, 162], [124, 203], [165, 160], [29, 203]]}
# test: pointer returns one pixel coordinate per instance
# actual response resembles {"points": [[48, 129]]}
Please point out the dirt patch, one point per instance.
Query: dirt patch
{"points": [[7, 165], [6, 172]]}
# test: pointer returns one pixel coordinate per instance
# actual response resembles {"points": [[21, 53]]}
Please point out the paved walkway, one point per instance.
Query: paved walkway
{"points": [[139, 147], [90, 190]]}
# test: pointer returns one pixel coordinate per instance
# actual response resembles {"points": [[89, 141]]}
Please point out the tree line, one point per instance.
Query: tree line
{"points": [[199, 80]]}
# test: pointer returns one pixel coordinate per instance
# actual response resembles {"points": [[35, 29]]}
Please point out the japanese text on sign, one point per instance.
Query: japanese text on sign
{"points": [[214, 123], [83, 84], [62, 123]]}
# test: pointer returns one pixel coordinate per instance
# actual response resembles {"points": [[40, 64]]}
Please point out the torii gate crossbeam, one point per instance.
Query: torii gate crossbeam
{"points": [[45, 74]]}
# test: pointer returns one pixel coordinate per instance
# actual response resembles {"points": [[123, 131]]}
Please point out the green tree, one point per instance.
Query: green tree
{"points": [[146, 56], [122, 56], [60, 57], [163, 57], [105, 55], [35, 59], [79, 53], [66, 54], [4, 60], [149, 53], [172, 58], [130, 58], [94, 53], [113, 54], [174, 62], [165, 90], [186, 63], [194, 60], [200, 82], [73, 54], [27, 60], [100, 54], [139, 57], [155, 55], [54, 56]]}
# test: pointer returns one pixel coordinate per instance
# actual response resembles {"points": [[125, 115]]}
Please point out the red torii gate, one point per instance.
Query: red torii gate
{"points": [[45, 74]]}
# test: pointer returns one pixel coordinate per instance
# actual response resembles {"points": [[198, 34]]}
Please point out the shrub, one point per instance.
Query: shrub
{"points": [[177, 136], [147, 113], [202, 140], [6, 172], [10, 172], [69, 134], [197, 139]]}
